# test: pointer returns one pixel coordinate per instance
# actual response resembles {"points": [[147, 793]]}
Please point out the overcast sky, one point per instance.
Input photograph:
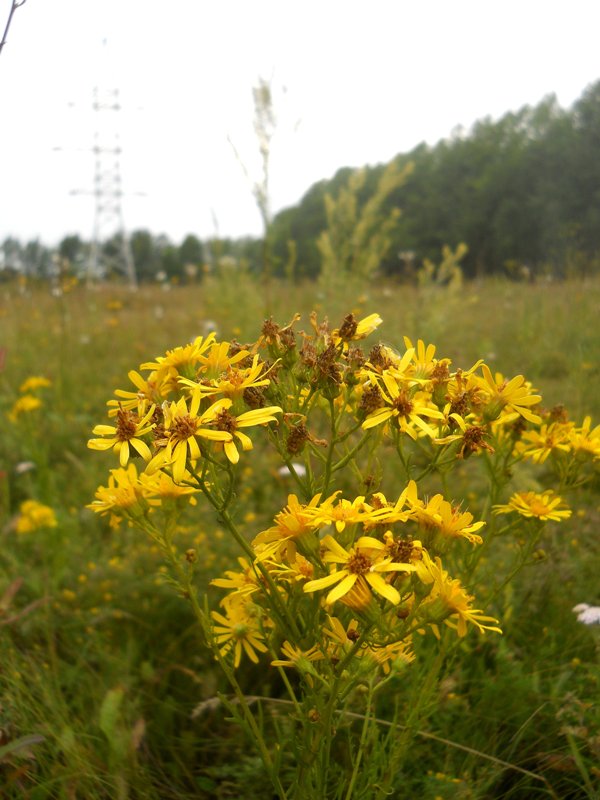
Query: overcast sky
{"points": [[355, 82]]}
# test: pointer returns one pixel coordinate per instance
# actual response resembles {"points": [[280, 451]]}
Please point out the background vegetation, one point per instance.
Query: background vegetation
{"points": [[106, 692]]}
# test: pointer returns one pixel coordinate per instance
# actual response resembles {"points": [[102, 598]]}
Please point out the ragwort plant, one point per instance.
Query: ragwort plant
{"points": [[369, 570]]}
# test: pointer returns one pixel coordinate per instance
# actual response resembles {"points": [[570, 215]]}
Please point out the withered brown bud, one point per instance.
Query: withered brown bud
{"points": [[254, 397], [297, 438], [348, 327], [371, 400]]}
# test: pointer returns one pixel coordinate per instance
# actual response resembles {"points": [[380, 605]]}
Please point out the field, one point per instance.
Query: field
{"points": [[108, 688]]}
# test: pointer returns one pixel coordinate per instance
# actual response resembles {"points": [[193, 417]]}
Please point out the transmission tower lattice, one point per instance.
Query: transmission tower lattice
{"points": [[108, 189]]}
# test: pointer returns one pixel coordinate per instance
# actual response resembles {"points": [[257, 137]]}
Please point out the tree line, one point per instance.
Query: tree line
{"points": [[522, 192]]}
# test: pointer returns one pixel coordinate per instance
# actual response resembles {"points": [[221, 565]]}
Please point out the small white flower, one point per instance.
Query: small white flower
{"points": [[24, 466], [589, 615], [299, 469]]}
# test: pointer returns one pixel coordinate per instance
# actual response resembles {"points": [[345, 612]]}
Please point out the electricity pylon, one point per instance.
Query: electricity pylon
{"points": [[108, 190]]}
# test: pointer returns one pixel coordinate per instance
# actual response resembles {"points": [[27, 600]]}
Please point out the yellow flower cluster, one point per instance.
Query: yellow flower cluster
{"points": [[194, 401], [374, 564], [337, 574], [33, 516], [28, 402]]}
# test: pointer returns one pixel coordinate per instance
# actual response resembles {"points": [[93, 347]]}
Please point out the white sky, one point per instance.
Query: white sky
{"points": [[364, 80]]}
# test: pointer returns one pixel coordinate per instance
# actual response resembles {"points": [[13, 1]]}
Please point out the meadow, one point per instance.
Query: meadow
{"points": [[108, 688]]}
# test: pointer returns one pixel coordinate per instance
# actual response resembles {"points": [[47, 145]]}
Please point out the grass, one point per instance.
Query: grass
{"points": [[101, 658]]}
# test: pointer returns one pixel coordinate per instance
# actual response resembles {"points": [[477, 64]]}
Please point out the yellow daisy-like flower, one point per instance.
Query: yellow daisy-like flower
{"points": [[441, 516], [149, 390], [297, 658], [159, 486], [511, 397], [225, 421], [128, 432], [448, 601], [234, 381], [238, 631], [217, 361], [33, 383], [425, 366], [586, 439], [181, 359], [537, 445], [471, 437], [24, 405], [33, 516], [541, 505], [124, 491], [344, 512], [244, 582], [402, 406], [363, 563], [182, 425], [294, 524]]}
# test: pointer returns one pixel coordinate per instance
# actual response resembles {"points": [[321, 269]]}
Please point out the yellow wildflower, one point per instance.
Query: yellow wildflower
{"points": [[128, 431], [182, 426], [352, 329], [402, 406], [34, 515], [537, 445], [33, 383], [225, 421], [511, 397], [297, 658], [542, 505], [586, 439], [448, 601], [123, 492], [238, 631], [294, 524], [24, 405], [363, 563]]}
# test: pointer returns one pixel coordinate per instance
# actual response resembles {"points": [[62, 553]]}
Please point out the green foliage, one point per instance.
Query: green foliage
{"points": [[358, 238]]}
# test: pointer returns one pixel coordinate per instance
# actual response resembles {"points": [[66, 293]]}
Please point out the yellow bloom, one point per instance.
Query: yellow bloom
{"points": [[345, 512], [234, 381], [181, 359], [586, 439], [34, 515], [24, 405], [539, 444], [124, 492], [423, 361], [160, 486], [363, 563], [441, 516], [149, 390], [182, 426], [472, 437], [352, 330], [33, 383], [513, 397], [238, 631], [297, 658], [217, 360], [225, 421], [127, 432], [448, 601], [402, 406], [244, 582], [294, 524], [545, 506]]}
